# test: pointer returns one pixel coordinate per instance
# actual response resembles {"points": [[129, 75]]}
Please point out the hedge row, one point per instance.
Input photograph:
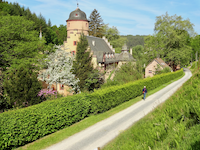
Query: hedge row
{"points": [[105, 99], [22, 126]]}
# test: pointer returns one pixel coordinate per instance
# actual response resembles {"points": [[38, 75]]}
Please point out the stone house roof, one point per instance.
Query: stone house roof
{"points": [[125, 55], [101, 50], [160, 62]]}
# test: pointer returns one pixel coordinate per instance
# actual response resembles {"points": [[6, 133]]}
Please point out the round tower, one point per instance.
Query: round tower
{"points": [[76, 24]]}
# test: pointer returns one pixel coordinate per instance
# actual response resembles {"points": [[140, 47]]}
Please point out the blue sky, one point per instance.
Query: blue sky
{"points": [[135, 17]]}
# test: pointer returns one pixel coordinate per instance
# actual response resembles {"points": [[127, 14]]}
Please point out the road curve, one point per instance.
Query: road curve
{"points": [[106, 130]]}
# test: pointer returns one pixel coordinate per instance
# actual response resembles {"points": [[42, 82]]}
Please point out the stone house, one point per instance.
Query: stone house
{"points": [[151, 67]]}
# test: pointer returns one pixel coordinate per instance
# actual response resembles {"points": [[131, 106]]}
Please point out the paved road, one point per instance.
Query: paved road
{"points": [[104, 131]]}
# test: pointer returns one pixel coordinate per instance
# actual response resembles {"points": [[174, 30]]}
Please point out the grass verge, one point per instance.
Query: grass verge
{"points": [[85, 123]]}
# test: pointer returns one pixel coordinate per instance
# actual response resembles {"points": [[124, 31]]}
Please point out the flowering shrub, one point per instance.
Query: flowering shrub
{"points": [[47, 94]]}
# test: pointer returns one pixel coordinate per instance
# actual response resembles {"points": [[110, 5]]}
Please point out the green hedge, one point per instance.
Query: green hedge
{"points": [[107, 98], [22, 126]]}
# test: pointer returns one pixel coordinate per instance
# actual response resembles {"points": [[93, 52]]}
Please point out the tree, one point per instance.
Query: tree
{"points": [[59, 65], [82, 65], [118, 43], [126, 73], [195, 44], [96, 24], [171, 38], [135, 40], [139, 54], [49, 23], [94, 80], [18, 42], [21, 86], [111, 33]]}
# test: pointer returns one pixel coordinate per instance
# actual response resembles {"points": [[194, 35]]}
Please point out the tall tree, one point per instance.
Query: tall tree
{"points": [[49, 23], [82, 64], [18, 42], [96, 24], [171, 37], [21, 86]]}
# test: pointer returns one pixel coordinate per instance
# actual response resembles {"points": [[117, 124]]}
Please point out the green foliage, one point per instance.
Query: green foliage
{"points": [[133, 41], [115, 95], [22, 126], [170, 40], [18, 42], [14, 9], [141, 58], [21, 86], [174, 125], [195, 44], [94, 80], [82, 64], [110, 33], [96, 24], [160, 71], [126, 73], [60, 33]]}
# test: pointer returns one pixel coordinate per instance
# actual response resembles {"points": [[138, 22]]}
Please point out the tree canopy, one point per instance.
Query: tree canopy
{"points": [[95, 24], [18, 42], [170, 40]]}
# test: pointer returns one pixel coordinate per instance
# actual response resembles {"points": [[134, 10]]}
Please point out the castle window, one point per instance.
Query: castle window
{"points": [[73, 52], [86, 24], [75, 43], [61, 87], [68, 24], [150, 71]]}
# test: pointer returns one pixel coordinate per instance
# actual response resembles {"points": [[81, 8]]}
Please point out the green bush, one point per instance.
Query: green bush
{"points": [[107, 98], [22, 126]]}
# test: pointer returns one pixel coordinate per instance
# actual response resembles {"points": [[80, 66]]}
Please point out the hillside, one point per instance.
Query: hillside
{"points": [[173, 125]]}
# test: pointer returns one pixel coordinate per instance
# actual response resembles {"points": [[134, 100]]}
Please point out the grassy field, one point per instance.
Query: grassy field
{"points": [[87, 122], [175, 124]]}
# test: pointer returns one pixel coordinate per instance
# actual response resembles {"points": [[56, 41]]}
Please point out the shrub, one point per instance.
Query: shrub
{"points": [[47, 94]]}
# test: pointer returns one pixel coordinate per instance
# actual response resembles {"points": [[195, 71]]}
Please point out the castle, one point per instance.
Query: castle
{"points": [[103, 54]]}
